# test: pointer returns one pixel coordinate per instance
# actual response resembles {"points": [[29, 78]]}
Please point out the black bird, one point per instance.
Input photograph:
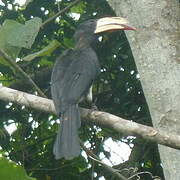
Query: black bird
{"points": [[72, 76]]}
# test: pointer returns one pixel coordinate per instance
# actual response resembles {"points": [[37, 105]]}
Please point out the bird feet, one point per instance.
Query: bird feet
{"points": [[93, 105]]}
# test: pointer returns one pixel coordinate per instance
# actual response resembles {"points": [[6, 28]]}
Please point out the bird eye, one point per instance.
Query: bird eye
{"points": [[91, 21]]}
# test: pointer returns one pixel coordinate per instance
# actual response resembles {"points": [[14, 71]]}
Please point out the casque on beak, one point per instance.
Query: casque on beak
{"points": [[112, 24]]}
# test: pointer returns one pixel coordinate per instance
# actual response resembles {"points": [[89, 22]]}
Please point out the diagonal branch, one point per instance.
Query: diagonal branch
{"points": [[60, 12], [20, 70], [101, 118]]}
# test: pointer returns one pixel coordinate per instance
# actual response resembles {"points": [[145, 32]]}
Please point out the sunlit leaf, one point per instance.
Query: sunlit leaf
{"points": [[44, 52]]}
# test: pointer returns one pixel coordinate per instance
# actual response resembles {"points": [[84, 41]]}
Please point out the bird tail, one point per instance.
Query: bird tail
{"points": [[67, 143]]}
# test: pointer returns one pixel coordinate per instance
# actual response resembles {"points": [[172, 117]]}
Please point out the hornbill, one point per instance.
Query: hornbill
{"points": [[72, 76]]}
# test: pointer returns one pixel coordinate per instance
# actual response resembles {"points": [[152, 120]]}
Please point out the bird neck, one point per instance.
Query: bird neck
{"points": [[84, 43]]}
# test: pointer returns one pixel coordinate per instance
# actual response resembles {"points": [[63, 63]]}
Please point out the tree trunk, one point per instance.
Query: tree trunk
{"points": [[154, 47]]}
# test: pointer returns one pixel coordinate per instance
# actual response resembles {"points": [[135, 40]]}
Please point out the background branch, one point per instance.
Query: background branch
{"points": [[41, 77], [101, 118], [60, 12], [12, 62]]}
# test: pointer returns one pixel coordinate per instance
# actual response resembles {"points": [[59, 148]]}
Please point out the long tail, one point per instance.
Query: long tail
{"points": [[67, 140]]}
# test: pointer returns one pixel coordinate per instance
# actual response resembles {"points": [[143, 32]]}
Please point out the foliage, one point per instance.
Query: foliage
{"points": [[17, 172], [117, 90]]}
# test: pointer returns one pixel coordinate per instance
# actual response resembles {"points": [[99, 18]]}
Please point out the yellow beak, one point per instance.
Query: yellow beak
{"points": [[112, 24]]}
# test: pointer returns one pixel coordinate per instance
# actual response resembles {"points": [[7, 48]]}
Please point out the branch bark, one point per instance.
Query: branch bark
{"points": [[100, 118]]}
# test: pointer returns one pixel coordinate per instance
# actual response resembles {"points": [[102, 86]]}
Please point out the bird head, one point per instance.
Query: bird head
{"points": [[88, 30]]}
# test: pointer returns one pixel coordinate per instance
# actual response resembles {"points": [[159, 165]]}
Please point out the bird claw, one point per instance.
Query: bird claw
{"points": [[93, 106]]}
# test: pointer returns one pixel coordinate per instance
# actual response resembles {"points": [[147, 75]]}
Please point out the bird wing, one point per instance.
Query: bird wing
{"points": [[59, 69], [72, 77]]}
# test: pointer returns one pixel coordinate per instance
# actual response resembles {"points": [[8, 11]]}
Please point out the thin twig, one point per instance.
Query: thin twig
{"points": [[20, 70], [108, 168], [60, 12], [145, 172], [52, 169], [92, 172]]}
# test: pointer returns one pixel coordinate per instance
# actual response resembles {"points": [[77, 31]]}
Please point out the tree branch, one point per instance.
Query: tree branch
{"points": [[42, 78], [101, 118], [20, 70], [105, 166], [60, 12]]}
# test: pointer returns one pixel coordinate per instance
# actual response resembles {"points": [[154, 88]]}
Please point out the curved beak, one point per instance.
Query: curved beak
{"points": [[112, 24]]}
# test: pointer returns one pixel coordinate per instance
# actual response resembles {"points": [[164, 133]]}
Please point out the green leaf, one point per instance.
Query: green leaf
{"points": [[44, 62], [14, 36], [9, 170], [68, 42], [79, 8], [5, 32], [24, 35], [44, 52]]}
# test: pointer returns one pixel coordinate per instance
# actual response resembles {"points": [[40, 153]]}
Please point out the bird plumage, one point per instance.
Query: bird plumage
{"points": [[72, 76]]}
